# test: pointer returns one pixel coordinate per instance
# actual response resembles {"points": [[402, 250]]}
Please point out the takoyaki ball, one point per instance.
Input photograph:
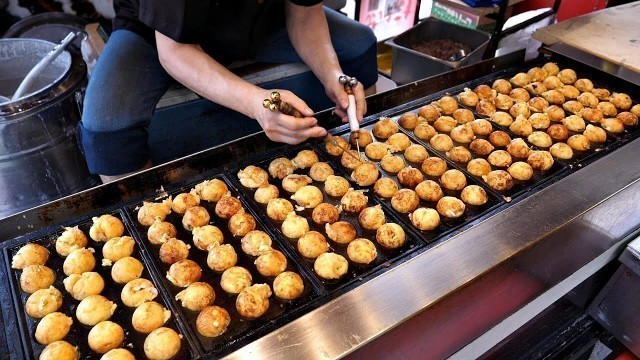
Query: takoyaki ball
{"points": [[499, 180], [441, 142], [159, 231], [518, 148], [235, 279], [213, 321], [462, 133], [459, 154], [502, 86], [429, 190], [561, 151], [503, 102], [584, 85], [601, 94], [520, 79], [36, 277], [252, 177], [220, 258], [105, 228], [350, 159], [354, 201], [336, 186], [242, 222], [553, 97], [264, 194], [325, 214], [502, 118], [385, 188], [537, 74], [627, 118], [558, 132], [362, 251], [117, 248], [363, 138], [60, 350], [271, 263], [567, 76], [409, 121], [184, 201], [621, 101], [569, 92], [520, 170], [105, 336], [126, 269], [540, 139], [30, 254], [612, 125], [377, 150], [173, 250], [540, 160], [481, 127], [405, 201], [635, 110], [372, 218], [539, 121], [341, 232], [79, 261], [551, 68], [481, 147], [468, 98], [94, 309], [434, 166], [43, 302], [196, 297], [474, 195], [552, 83], [391, 236], [572, 106], [306, 158], [579, 142], [364, 174], [226, 207], [253, 301], [485, 107], [595, 134], [416, 153], [312, 244], [588, 99], [53, 327], [453, 180], [425, 219], [520, 95], [384, 128], [574, 123], [149, 316], [138, 291], [71, 238], [555, 113], [479, 167], [330, 266], [536, 88], [211, 190], [521, 126], [320, 171], [256, 242], [410, 177], [429, 113], [186, 272], [293, 182], [499, 158], [83, 285], [392, 163], [150, 211], [424, 131], [294, 226], [338, 148], [207, 235], [484, 92], [592, 115], [447, 105], [162, 344], [399, 141], [520, 109], [607, 108], [281, 167], [198, 216], [450, 207]]}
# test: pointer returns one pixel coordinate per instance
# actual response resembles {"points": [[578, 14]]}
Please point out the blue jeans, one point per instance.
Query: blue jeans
{"points": [[128, 81]]}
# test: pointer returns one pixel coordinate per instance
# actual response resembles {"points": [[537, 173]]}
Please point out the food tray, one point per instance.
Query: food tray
{"points": [[78, 333], [356, 271], [241, 330]]}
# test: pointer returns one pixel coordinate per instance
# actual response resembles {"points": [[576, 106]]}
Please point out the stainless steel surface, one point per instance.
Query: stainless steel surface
{"points": [[386, 301]]}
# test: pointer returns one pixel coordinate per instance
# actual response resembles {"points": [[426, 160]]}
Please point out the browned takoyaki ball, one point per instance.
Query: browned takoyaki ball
{"points": [[341, 232], [520, 171], [561, 151], [540, 139], [518, 148], [612, 125], [429, 190], [197, 216], [325, 214], [479, 167], [474, 195], [567, 76], [569, 92], [293, 182], [573, 107], [558, 132], [385, 188], [126, 269], [540, 160], [365, 174], [536, 88], [579, 142], [256, 242], [521, 126], [463, 134], [271, 263], [502, 118], [595, 134], [36, 277], [264, 194], [555, 113], [552, 83], [446, 104], [503, 102], [621, 101], [499, 138], [588, 99], [520, 109], [592, 115], [434, 166], [220, 258], [354, 201], [338, 148], [409, 120], [520, 79], [409, 177], [429, 113], [459, 154], [484, 92], [377, 150], [235, 279], [601, 94], [627, 118], [281, 167], [399, 141], [607, 108], [253, 302], [105, 228], [207, 235], [425, 219], [453, 180], [584, 85], [61, 350], [539, 121], [84, 285], [405, 201], [551, 68], [445, 124], [450, 207], [441, 142], [468, 98], [537, 74], [150, 211], [30, 254], [416, 153], [635, 110], [242, 222], [43, 302], [305, 158], [277, 209], [499, 180], [53, 327], [481, 147], [392, 163], [288, 285], [294, 226], [424, 131], [138, 291], [501, 86], [117, 248], [252, 177], [312, 244], [331, 266], [390, 236], [481, 127], [149, 316], [499, 158], [71, 238], [553, 97], [79, 261], [308, 197], [384, 128], [485, 107], [212, 321], [574, 123], [173, 250], [211, 190], [463, 116], [227, 206], [520, 95], [362, 251], [336, 186], [184, 201], [364, 138], [185, 272]]}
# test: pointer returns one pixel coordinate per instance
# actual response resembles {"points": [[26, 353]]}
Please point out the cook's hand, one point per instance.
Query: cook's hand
{"points": [[339, 96], [284, 128]]}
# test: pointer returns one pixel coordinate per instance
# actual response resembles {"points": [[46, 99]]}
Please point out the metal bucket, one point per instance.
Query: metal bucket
{"points": [[40, 159]]}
